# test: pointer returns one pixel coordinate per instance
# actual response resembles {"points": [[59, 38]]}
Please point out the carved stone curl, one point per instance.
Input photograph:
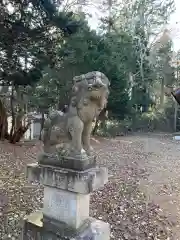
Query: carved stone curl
{"points": [[88, 97]]}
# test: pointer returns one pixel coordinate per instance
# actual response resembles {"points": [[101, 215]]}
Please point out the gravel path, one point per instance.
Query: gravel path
{"points": [[140, 201]]}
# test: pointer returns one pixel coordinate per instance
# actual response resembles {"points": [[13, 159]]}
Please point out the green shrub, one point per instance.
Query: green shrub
{"points": [[114, 128], [154, 120]]}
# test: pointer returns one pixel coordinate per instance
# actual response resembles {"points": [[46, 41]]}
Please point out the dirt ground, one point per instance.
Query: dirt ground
{"points": [[141, 200], [163, 183]]}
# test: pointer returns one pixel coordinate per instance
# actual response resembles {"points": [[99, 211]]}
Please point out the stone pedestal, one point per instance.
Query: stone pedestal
{"points": [[68, 207], [65, 213]]}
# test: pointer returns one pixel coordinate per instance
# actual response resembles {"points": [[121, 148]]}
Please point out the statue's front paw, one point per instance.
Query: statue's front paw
{"points": [[89, 151]]}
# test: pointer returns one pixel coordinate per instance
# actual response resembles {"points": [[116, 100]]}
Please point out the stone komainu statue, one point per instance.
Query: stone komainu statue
{"points": [[88, 97]]}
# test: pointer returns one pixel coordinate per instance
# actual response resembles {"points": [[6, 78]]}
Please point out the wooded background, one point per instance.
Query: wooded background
{"points": [[43, 45]]}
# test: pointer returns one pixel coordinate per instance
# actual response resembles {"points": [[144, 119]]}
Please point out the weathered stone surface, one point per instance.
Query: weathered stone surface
{"points": [[88, 98], [34, 228], [76, 181], [78, 163], [65, 206], [67, 168], [94, 230]]}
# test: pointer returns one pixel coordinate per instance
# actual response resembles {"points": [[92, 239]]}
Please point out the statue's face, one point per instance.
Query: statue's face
{"points": [[99, 90]]}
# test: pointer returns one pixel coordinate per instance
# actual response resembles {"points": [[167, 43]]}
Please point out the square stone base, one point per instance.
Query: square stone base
{"points": [[35, 228], [65, 206], [83, 182]]}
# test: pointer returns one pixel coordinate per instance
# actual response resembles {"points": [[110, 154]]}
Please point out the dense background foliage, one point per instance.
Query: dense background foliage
{"points": [[42, 46]]}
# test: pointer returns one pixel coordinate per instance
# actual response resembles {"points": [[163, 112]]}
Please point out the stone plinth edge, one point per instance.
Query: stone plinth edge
{"points": [[35, 228], [83, 182], [78, 163]]}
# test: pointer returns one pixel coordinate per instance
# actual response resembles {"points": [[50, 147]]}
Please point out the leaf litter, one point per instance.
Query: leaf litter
{"points": [[121, 202]]}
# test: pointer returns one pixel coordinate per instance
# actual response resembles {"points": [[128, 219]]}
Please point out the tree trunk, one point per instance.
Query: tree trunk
{"points": [[12, 113], [19, 133], [109, 15], [162, 92], [17, 128], [42, 125], [94, 131], [103, 116], [3, 122]]}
